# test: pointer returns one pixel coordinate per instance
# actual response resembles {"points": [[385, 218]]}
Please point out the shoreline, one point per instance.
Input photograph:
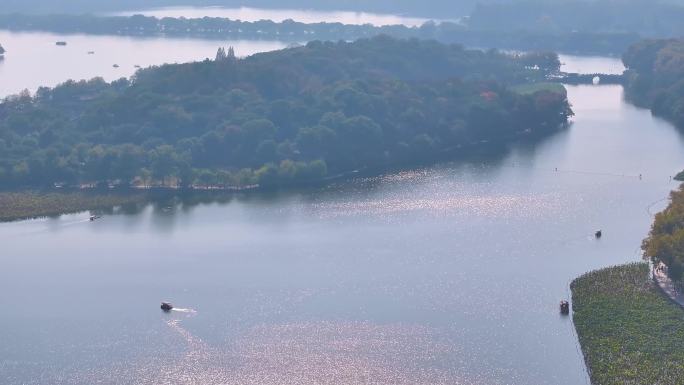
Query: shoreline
{"points": [[667, 286], [50, 202], [221, 28], [27, 205]]}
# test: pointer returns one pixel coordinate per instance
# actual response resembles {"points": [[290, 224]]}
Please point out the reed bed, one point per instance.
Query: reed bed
{"points": [[25, 205], [629, 331]]}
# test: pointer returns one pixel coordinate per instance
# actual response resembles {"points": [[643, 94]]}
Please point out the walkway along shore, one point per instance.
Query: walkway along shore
{"points": [[666, 285]]}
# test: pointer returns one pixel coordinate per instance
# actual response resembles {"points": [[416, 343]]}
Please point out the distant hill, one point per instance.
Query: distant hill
{"points": [[430, 8], [645, 17], [593, 43], [508, 12]]}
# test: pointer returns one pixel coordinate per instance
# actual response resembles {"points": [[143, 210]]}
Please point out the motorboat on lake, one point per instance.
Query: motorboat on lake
{"points": [[598, 234], [166, 306], [564, 307], [95, 217], [61, 43]]}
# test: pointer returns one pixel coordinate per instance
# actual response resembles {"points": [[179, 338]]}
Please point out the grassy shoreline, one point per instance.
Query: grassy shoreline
{"points": [[629, 331], [21, 205]]}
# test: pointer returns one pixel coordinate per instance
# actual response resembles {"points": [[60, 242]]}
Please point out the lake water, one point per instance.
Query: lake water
{"points": [[444, 275], [33, 60], [591, 64], [278, 15]]}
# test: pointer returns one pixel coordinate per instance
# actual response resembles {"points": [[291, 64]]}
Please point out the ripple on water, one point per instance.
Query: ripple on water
{"points": [[445, 205], [311, 352]]}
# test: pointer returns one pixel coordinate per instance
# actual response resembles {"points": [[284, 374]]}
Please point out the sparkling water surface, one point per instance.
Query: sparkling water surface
{"points": [[448, 274]]}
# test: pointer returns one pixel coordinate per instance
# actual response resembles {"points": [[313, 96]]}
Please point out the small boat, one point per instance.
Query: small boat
{"points": [[166, 306], [598, 234], [91, 52], [564, 307], [61, 43], [95, 217], [136, 66], [115, 66]]}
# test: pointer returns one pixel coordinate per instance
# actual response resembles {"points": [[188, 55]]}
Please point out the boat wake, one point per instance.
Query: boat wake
{"points": [[187, 311]]}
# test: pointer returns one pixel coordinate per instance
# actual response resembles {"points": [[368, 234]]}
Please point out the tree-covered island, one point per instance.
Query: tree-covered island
{"points": [[279, 118]]}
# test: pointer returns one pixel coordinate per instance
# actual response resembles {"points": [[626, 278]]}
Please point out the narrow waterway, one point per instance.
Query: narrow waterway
{"points": [[450, 274]]}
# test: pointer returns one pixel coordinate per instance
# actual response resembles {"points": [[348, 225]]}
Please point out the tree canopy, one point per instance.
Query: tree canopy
{"points": [[656, 77], [665, 242], [276, 118]]}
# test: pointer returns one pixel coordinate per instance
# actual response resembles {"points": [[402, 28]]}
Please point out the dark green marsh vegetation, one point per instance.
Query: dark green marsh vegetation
{"points": [[629, 331], [33, 204]]}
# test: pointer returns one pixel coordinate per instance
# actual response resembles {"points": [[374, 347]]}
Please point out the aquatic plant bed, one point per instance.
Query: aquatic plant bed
{"points": [[23, 205], [629, 331]]}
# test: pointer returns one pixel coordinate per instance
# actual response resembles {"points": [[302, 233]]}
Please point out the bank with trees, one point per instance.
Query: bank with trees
{"points": [[665, 242], [587, 41], [655, 77]]}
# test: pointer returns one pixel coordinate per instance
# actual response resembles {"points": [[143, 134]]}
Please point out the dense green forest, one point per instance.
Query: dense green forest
{"points": [[588, 42], [656, 77], [665, 242], [276, 118]]}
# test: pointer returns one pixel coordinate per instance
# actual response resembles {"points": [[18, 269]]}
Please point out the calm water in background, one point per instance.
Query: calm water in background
{"points": [[33, 60], [444, 275], [279, 15]]}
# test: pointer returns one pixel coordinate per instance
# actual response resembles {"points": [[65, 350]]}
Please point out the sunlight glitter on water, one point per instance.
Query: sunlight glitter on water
{"points": [[486, 206], [324, 353]]}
